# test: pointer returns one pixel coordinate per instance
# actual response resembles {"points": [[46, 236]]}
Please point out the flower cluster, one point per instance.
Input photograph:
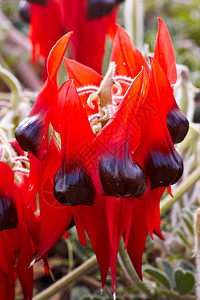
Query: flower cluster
{"points": [[90, 29], [101, 151]]}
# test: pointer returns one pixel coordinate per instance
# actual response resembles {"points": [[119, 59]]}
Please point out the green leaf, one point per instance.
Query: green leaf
{"points": [[170, 293], [188, 224], [184, 281], [167, 268], [186, 265], [80, 292], [158, 275], [144, 288], [183, 238]]}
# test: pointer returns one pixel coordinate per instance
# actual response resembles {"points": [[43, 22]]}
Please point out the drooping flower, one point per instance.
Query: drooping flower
{"points": [[31, 134], [19, 234], [50, 19], [116, 155]]}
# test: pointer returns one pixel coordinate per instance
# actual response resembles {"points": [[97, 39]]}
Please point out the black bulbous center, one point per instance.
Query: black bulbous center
{"points": [[73, 188], [8, 213], [163, 169], [121, 178], [24, 11], [40, 2], [177, 124], [100, 8], [29, 134]]}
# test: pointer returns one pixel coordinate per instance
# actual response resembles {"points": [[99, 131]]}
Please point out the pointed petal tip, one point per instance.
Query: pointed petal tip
{"points": [[32, 263], [56, 54]]}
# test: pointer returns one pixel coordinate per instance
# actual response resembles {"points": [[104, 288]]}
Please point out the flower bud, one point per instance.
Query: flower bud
{"points": [[73, 188], [100, 8], [164, 169], [177, 124], [122, 178], [8, 213], [24, 11], [29, 135]]}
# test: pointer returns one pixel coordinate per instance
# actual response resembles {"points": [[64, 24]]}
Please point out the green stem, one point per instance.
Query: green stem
{"points": [[73, 275], [126, 262], [13, 84], [181, 189]]}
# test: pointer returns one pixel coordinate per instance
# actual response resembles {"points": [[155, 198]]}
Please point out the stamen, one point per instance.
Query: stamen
{"points": [[22, 159], [96, 128], [90, 99], [118, 87], [21, 170], [87, 89], [118, 99], [94, 117], [5, 104], [123, 79]]}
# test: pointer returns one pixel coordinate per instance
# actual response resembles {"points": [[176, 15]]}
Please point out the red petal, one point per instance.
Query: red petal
{"points": [[81, 74], [4, 287], [24, 272], [46, 28], [70, 112], [138, 235], [54, 217], [164, 52], [79, 228], [114, 133], [56, 55], [101, 248], [88, 41], [128, 58], [150, 204]]}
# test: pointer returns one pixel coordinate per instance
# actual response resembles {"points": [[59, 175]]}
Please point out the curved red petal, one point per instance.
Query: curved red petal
{"points": [[129, 60], [81, 74], [164, 52], [137, 237], [56, 55], [151, 204], [46, 28], [23, 269]]}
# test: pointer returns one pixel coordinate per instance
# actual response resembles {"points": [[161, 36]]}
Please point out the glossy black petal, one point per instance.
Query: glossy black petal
{"points": [[75, 188], [24, 11], [100, 8], [41, 2], [8, 213], [28, 134], [122, 177], [177, 124], [164, 169]]}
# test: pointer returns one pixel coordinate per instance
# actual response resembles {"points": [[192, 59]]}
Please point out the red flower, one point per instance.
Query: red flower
{"points": [[51, 20], [117, 152], [31, 134], [18, 237]]}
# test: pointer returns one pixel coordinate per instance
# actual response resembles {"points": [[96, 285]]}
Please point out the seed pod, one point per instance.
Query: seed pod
{"points": [[164, 169], [122, 177], [24, 11], [8, 213], [73, 188], [29, 134], [177, 124]]}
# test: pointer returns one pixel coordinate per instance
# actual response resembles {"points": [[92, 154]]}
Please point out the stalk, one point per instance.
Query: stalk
{"points": [[67, 279]]}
